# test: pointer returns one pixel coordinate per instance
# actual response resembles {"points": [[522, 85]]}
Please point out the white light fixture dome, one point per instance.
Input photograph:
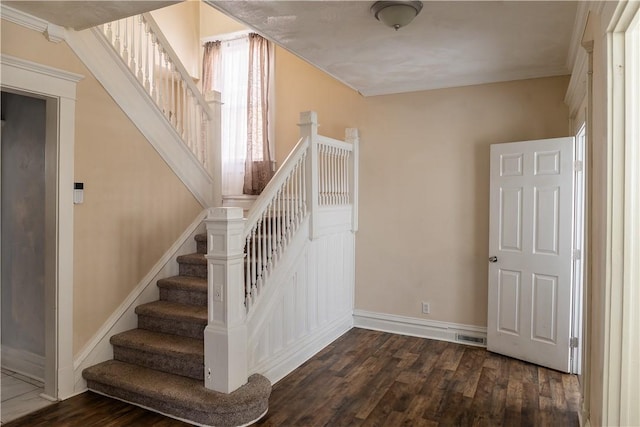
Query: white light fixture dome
{"points": [[396, 14]]}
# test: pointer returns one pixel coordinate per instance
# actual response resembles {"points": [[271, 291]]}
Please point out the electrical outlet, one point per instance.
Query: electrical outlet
{"points": [[426, 309]]}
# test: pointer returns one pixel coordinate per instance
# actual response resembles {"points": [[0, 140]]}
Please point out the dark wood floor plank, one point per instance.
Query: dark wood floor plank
{"points": [[369, 378]]}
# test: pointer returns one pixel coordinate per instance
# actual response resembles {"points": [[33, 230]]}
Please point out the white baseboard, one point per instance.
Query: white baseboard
{"points": [[23, 362], [411, 326], [99, 349], [277, 367]]}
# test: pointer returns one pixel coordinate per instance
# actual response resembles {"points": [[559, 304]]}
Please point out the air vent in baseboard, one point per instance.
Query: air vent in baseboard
{"points": [[470, 339]]}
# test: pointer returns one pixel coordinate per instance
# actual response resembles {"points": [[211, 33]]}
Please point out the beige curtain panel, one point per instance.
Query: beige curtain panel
{"points": [[259, 165]]}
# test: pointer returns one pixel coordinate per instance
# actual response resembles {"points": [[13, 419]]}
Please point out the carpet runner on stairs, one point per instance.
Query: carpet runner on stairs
{"points": [[160, 365]]}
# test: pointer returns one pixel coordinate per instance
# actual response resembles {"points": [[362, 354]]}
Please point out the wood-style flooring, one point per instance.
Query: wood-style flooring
{"points": [[372, 378]]}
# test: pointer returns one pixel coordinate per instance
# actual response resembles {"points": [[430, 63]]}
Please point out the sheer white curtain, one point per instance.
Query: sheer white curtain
{"points": [[229, 77], [241, 69]]}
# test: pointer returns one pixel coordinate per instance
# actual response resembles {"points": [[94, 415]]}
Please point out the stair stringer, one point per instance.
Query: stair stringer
{"points": [[105, 64], [306, 303], [124, 318]]}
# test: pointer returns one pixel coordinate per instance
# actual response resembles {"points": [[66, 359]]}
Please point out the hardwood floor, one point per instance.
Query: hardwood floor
{"points": [[377, 379], [373, 378]]}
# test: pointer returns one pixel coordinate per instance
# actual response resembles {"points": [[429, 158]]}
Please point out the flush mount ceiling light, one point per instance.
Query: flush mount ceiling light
{"points": [[396, 14]]}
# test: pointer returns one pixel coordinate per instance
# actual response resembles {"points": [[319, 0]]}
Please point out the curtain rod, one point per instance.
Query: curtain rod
{"points": [[228, 37]]}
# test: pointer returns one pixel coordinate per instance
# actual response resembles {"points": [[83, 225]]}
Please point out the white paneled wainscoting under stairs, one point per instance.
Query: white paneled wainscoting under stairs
{"points": [[258, 297]]}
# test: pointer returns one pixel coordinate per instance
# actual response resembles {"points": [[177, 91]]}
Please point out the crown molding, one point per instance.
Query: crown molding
{"points": [[54, 33], [579, 22]]}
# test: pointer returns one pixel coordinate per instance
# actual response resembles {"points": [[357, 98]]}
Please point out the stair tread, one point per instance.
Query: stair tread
{"points": [[174, 311], [158, 342], [180, 391], [187, 283], [195, 258]]}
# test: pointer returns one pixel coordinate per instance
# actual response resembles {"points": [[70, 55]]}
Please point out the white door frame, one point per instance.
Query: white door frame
{"points": [[58, 87], [578, 247], [621, 330]]}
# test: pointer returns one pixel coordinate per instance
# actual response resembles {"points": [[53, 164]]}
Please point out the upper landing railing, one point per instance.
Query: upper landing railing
{"points": [[145, 51]]}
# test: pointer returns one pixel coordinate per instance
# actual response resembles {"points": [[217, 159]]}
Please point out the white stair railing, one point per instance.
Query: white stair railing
{"points": [[319, 176], [141, 45], [319, 168], [275, 216]]}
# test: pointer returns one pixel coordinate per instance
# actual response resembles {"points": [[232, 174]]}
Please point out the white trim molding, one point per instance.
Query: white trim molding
{"points": [[59, 86], [619, 406], [54, 33], [23, 19], [421, 328]]}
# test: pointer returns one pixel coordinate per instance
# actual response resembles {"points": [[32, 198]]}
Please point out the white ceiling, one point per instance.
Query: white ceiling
{"points": [[450, 43], [80, 14]]}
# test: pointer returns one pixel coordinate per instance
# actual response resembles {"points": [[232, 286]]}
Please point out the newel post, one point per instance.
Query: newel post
{"points": [[352, 136], [309, 129], [214, 144], [225, 337]]}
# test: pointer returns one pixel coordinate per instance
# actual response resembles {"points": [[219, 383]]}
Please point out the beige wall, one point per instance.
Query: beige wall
{"points": [[134, 206], [212, 22], [180, 24], [302, 87], [424, 192]]}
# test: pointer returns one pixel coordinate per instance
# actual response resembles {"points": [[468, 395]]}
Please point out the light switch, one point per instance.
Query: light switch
{"points": [[78, 193]]}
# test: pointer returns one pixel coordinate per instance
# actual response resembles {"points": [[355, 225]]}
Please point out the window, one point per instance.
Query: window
{"points": [[241, 69]]}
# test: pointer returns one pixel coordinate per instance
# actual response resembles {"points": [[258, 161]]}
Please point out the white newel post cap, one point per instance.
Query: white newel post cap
{"points": [[213, 96], [351, 134], [225, 214]]}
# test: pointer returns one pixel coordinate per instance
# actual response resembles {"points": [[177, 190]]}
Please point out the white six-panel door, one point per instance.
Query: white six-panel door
{"points": [[530, 249]]}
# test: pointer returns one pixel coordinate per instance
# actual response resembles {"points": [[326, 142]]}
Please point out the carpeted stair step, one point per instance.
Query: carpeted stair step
{"points": [[173, 318], [193, 265], [179, 396], [184, 289], [201, 243], [168, 353]]}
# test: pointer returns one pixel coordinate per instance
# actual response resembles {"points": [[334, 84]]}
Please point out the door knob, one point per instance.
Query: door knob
{"points": [[493, 259]]}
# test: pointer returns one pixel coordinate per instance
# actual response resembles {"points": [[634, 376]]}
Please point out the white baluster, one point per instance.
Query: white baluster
{"points": [[325, 175], [166, 90], [334, 161], [253, 262], [183, 110], [154, 88], [247, 274], [140, 32], [125, 51], [287, 207], [109, 33], [132, 46], [259, 255], [172, 69], [147, 42], [304, 183], [116, 42], [270, 234], [346, 176]]}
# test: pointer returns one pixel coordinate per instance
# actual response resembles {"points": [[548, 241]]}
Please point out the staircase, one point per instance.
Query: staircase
{"points": [[160, 365]]}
